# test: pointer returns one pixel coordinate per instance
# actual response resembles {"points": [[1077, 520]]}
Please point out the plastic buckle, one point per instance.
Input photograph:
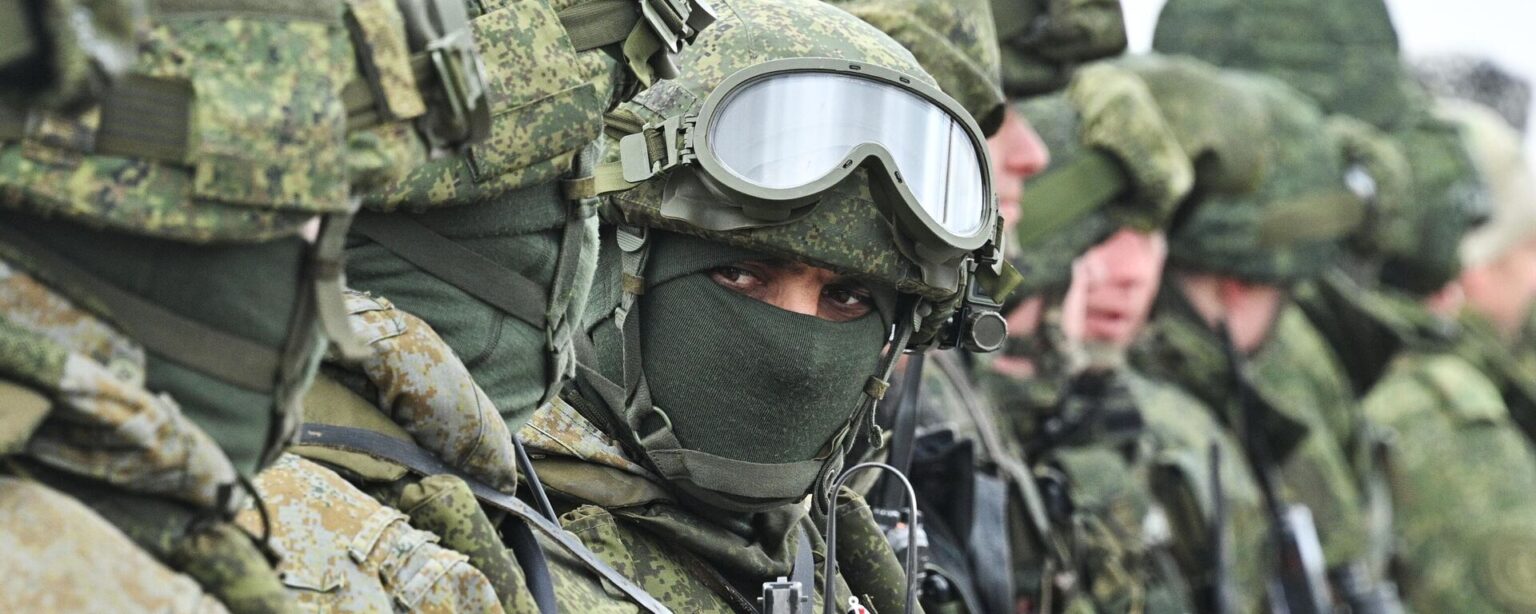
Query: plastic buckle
{"points": [[676, 22], [440, 29], [677, 144]]}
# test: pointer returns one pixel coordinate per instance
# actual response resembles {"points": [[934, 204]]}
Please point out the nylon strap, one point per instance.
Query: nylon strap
{"points": [[141, 117], [424, 463], [1065, 194], [475, 275], [328, 262], [184, 341], [599, 23], [804, 571], [904, 435]]}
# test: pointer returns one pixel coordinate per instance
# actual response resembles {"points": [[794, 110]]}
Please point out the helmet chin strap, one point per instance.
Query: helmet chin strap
{"points": [[862, 422]]}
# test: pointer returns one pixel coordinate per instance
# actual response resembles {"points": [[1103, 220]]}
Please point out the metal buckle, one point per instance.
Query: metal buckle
{"points": [[676, 22], [459, 113]]}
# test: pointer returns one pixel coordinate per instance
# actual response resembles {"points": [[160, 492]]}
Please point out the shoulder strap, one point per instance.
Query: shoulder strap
{"points": [[423, 463], [466, 270], [182, 340]]}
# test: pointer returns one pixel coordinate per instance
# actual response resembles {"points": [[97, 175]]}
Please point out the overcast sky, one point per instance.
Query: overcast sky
{"points": [[1504, 30]]}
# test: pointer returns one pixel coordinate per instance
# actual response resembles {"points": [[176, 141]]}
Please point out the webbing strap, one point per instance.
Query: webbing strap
{"points": [[475, 275], [599, 23], [904, 435], [804, 571], [421, 462], [141, 117], [1065, 194], [184, 341]]}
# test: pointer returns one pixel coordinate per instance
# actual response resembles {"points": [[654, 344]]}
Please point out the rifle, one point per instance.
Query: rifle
{"points": [[1222, 592], [1301, 585]]}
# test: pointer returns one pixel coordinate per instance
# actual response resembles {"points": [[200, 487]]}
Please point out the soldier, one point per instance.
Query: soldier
{"points": [[492, 242], [1109, 439], [171, 249], [739, 329], [1499, 278], [1232, 259]]}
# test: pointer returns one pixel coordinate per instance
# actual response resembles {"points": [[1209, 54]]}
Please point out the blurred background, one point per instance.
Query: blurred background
{"points": [[1500, 30]]}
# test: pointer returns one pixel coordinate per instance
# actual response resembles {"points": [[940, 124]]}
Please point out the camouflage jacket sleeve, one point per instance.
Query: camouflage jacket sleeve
{"points": [[103, 424], [342, 550], [1464, 488], [419, 383]]}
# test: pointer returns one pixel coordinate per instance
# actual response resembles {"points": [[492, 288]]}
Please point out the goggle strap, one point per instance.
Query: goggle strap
{"points": [[1061, 196]]}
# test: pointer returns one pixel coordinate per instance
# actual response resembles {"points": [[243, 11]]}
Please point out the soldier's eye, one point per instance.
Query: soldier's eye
{"points": [[847, 302]]}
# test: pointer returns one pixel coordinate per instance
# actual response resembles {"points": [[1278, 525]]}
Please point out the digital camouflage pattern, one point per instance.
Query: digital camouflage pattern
{"points": [[1297, 373], [1462, 484], [420, 384], [547, 101], [1106, 110], [626, 515], [43, 572], [1290, 226], [1184, 431], [63, 53], [1342, 54], [954, 41], [344, 551], [1504, 365], [261, 145], [1042, 41], [103, 424]]}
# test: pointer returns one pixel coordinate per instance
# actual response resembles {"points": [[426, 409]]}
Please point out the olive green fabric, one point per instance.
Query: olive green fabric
{"points": [[954, 40], [506, 355], [251, 291], [1499, 361], [743, 380], [61, 53], [1342, 53], [1042, 41]]}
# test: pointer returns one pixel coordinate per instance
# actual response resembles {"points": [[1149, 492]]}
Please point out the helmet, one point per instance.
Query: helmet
{"points": [[1115, 162], [1449, 199], [856, 195], [1042, 41], [1343, 53], [1293, 222], [954, 40]]}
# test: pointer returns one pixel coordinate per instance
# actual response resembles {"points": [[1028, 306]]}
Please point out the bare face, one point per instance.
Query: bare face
{"points": [[1119, 279], [1017, 154], [797, 287], [1504, 289]]}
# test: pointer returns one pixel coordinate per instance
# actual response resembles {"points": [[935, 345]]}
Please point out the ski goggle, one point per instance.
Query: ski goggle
{"points": [[771, 139]]}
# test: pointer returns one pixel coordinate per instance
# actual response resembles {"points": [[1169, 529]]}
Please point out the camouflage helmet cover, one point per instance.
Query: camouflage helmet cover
{"points": [[1343, 53], [955, 41], [845, 231], [1105, 130], [1042, 41], [1291, 225]]}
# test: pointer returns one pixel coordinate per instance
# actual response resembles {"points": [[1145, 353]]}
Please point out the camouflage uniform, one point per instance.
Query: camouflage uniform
{"points": [[708, 540], [1300, 213], [413, 389], [130, 223]]}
